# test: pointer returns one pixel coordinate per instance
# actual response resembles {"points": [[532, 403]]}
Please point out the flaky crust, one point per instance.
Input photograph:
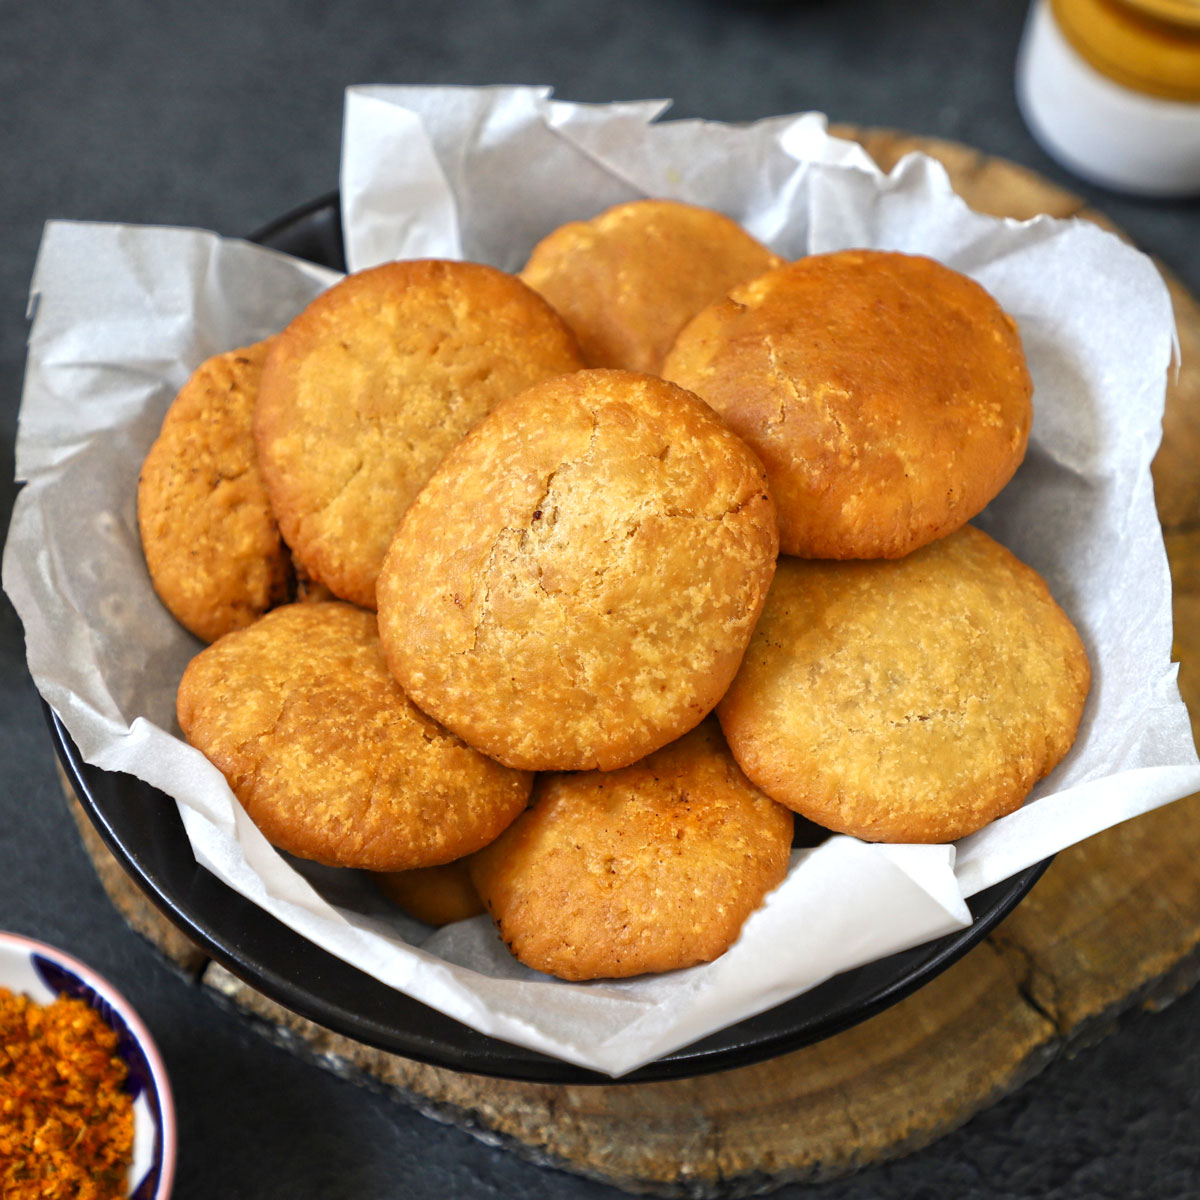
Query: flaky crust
{"points": [[327, 755], [629, 279], [210, 539], [647, 869], [911, 700], [577, 582], [366, 390], [887, 396]]}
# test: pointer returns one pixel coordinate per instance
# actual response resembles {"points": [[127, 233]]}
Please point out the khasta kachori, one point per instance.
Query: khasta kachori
{"points": [[567, 595]]}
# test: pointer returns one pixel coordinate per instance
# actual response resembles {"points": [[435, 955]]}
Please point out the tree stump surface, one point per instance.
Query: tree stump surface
{"points": [[1113, 924]]}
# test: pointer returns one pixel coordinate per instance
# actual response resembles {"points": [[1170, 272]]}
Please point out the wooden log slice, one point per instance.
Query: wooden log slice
{"points": [[1114, 923]]}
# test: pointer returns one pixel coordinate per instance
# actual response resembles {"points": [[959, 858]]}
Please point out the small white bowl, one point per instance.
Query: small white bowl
{"points": [[43, 973]]}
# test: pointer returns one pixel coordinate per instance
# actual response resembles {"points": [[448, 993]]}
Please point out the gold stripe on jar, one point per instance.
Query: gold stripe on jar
{"points": [[1150, 46]]}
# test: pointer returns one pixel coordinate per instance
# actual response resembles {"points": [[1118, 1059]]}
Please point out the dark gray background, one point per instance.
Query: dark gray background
{"points": [[224, 115]]}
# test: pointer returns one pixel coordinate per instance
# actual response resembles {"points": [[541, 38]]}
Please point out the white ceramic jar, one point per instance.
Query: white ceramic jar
{"points": [[1111, 89]]}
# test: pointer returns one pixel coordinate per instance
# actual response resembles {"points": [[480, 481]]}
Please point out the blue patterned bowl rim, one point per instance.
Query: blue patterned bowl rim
{"points": [[60, 972]]}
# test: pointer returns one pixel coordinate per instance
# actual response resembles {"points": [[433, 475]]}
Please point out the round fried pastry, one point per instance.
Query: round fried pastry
{"points": [[372, 383], [912, 700], [629, 279], [576, 584], [646, 869], [328, 756], [211, 542], [436, 895], [887, 395]]}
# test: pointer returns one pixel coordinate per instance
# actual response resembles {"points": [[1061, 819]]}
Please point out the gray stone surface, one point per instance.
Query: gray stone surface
{"points": [[224, 115]]}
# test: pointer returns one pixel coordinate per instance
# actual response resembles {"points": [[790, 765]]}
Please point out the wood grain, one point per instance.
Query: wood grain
{"points": [[1114, 923]]}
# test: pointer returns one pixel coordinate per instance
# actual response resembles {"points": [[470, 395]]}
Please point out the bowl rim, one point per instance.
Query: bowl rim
{"points": [[165, 1101]]}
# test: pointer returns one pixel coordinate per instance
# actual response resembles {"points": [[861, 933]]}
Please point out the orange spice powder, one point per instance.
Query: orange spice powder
{"points": [[66, 1122]]}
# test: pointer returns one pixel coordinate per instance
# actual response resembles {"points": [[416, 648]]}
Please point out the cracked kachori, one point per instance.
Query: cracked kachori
{"points": [[577, 582]]}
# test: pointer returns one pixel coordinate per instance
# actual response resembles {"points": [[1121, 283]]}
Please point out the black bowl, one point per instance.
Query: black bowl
{"points": [[143, 829]]}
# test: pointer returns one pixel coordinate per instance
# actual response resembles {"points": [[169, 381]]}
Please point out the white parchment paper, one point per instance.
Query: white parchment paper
{"points": [[122, 314]]}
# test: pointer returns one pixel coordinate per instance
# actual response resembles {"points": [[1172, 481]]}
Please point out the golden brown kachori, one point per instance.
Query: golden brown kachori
{"points": [[646, 869], [576, 584], [907, 700], [211, 542], [887, 396], [366, 390], [630, 278], [436, 895], [328, 756]]}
